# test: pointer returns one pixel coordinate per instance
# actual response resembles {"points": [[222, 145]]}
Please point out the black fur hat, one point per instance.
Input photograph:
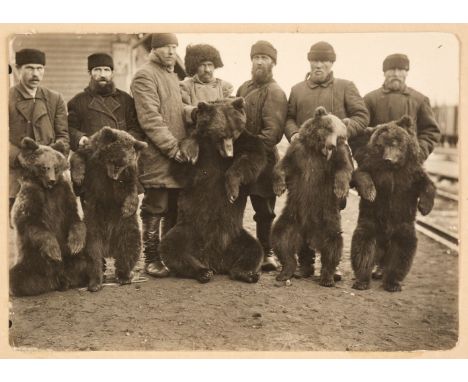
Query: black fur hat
{"points": [[321, 51], [30, 56], [196, 54], [397, 60], [100, 59]]}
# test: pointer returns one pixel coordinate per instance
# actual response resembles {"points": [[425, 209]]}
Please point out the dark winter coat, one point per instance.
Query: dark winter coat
{"points": [[266, 107], [339, 97], [43, 118], [385, 106], [159, 107], [88, 112]]}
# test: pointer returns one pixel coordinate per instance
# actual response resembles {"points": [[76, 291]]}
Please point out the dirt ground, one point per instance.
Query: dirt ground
{"points": [[177, 314]]}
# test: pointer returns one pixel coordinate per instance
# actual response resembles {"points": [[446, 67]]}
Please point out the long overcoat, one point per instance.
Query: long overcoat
{"points": [[42, 118], [158, 102], [88, 112], [266, 106], [385, 106]]}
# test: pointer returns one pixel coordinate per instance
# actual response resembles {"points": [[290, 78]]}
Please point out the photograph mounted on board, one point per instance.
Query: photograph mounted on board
{"points": [[233, 191]]}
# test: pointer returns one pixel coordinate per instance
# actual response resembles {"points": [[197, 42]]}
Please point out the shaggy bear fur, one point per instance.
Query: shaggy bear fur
{"points": [[392, 184], [209, 237], [107, 169], [316, 171], [50, 234]]}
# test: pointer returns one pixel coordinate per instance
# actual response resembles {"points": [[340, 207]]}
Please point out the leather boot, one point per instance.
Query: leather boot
{"points": [[377, 273], [306, 262], [153, 263], [270, 261]]}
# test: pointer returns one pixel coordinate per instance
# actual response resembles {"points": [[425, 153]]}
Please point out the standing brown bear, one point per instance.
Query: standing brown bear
{"points": [[107, 170], [392, 184], [50, 233], [316, 171], [209, 237]]}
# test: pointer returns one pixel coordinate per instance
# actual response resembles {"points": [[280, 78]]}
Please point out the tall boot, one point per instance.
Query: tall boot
{"points": [[306, 262], [270, 262], [153, 263]]}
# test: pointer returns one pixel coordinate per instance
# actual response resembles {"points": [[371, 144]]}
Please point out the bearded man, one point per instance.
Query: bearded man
{"points": [[34, 111], [266, 108], [100, 104], [341, 98], [394, 99]]}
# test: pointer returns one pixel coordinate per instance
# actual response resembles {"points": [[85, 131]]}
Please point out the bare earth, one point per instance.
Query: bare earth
{"points": [[178, 314]]}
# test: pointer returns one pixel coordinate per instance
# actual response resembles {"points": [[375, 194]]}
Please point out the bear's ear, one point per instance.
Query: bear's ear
{"points": [[139, 145], [406, 122], [238, 103], [59, 146], [320, 111], [107, 135], [203, 106], [29, 144]]}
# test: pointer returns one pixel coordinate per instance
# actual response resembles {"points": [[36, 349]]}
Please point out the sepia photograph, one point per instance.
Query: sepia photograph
{"points": [[233, 191]]}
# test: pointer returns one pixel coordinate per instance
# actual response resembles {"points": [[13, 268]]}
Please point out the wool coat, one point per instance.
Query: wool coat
{"points": [[158, 102], [266, 107], [88, 112], [42, 118], [339, 97], [385, 106]]}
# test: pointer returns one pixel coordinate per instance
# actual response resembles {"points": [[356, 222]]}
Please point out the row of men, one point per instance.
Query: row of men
{"points": [[161, 107]]}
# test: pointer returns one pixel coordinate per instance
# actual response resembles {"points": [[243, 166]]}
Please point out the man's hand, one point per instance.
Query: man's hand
{"points": [[83, 141], [294, 137], [180, 157]]}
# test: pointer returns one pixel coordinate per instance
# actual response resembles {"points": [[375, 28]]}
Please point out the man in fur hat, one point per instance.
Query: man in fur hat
{"points": [[34, 111], [160, 111], [200, 63], [393, 100], [100, 104], [339, 97], [266, 108]]}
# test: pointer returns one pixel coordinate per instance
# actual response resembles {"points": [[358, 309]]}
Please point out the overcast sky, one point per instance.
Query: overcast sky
{"points": [[434, 58]]}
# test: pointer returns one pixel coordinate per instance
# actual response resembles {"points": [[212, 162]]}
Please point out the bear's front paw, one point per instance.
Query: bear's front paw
{"points": [[232, 188], [425, 205], [130, 206], [189, 149], [341, 188], [77, 177], [279, 187], [51, 249], [367, 191], [77, 237]]}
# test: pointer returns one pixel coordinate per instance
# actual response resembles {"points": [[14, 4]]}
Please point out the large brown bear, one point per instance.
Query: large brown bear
{"points": [[106, 169], [392, 184], [208, 237], [50, 233], [316, 171]]}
